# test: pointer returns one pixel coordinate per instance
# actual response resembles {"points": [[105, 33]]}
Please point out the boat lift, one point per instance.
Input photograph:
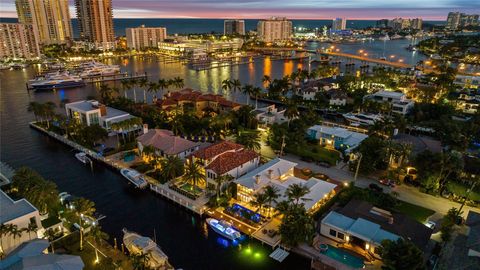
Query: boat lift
{"points": [[279, 254]]}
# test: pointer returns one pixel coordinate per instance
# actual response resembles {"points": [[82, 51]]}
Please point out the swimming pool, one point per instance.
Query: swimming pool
{"points": [[344, 257]]}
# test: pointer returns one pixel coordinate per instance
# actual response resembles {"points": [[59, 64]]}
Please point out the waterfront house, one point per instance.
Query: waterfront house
{"points": [[166, 143], [336, 137], [468, 101], [269, 115], [224, 158], [399, 102], [18, 213], [365, 226], [34, 255], [92, 112], [197, 101], [337, 97], [467, 81], [280, 174]]}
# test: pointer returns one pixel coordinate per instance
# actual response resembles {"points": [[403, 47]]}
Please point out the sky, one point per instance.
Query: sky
{"points": [[293, 9]]}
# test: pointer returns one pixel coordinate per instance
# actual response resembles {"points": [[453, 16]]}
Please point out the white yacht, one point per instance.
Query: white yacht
{"points": [[385, 38], [82, 157], [137, 244], [363, 119], [224, 228], [58, 82], [134, 177], [92, 69]]}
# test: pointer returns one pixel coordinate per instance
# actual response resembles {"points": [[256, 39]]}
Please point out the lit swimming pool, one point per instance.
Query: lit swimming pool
{"points": [[344, 257]]}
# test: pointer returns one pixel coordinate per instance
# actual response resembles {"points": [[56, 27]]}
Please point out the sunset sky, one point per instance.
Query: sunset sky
{"points": [[294, 9]]}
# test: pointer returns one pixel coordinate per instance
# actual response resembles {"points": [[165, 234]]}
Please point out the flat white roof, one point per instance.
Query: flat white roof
{"points": [[10, 209], [88, 105], [390, 94]]}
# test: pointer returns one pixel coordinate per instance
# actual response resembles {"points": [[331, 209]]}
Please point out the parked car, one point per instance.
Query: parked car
{"points": [[375, 187], [431, 224]]}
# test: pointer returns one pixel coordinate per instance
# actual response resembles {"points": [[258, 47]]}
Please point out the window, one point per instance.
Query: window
{"points": [[340, 235], [333, 233]]}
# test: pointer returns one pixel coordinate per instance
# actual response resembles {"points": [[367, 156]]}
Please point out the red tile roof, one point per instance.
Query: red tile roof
{"points": [[216, 149], [165, 141], [230, 161]]}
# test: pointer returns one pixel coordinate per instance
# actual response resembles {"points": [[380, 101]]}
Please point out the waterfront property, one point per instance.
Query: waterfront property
{"points": [[34, 255], [19, 213], [468, 101], [398, 100], [336, 137], [145, 37], [269, 115], [199, 49], [196, 100], [92, 112], [467, 81], [166, 143], [224, 158], [280, 174], [363, 226], [275, 29]]}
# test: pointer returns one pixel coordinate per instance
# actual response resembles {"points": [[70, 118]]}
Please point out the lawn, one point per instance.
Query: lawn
{"points": [[315, 152], [461, 190], [416, 212]]}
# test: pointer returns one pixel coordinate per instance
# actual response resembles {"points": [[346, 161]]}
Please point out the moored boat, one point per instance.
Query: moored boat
{"points": [[138, 244], [64, 81], [224, 228], [82, 157], [134, 177]]}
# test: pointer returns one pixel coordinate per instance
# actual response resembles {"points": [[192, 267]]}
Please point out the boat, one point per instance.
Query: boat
{"points": [[224, 228], [363, 119], [396, 36], [138, 244], [82, 157], [18, 66], [134, 177], [4, 67], [95, 69], [408, 37], [385, 38], [62, 81]]}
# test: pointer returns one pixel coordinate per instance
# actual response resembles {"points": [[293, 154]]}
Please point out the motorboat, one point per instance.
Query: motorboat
{"points": [[396, 36], [95, 69], [82, 157], [385, 38], [62, 81], [363, 119], [18, 66], [138, 244], [224, 228], [134, 177]]}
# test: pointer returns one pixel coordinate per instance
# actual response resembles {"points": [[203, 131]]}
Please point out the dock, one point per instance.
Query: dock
{"points": [[196, 206], [116, 77]]}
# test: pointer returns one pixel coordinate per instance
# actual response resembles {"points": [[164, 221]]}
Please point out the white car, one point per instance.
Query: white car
{"points": [[431, 224]]}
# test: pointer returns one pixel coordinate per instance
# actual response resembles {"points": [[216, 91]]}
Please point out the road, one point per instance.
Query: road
{"points": [[405, 193]]}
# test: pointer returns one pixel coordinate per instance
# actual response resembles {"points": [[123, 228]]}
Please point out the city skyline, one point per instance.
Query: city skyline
{"points": [[305, 9]]}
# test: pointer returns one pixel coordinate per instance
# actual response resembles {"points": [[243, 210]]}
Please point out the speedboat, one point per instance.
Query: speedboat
{"points": [[137, 244], [93, 69], [224, 228], [134, 177], [82, 157], [63, 81], [385, 38]]}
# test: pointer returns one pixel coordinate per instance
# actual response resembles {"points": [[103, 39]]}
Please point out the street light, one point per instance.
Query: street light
{"points": [[81, 232], [358, 166]]}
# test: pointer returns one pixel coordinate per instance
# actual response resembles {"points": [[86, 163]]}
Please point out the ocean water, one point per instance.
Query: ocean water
{"points": [[184, 26]]}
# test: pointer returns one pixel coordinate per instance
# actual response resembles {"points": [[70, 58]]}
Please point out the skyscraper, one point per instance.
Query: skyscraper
{"points": [[234, 27], [339, 24], [145, 37], [18, 41], [274, 29], [95, 22], [416, 23], [453, 20], [50, 19]]}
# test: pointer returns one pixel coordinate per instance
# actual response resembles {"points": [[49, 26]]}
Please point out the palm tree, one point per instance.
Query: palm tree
{"points": [[260, 200], [32, 227], [172, 167], [133, 83], [149, 151], [296, 192], [143, 83], [35, 108], [153, 88], [272, 194], [15, 232], [48, 110], [84, 206], [251, 140], [291, 112], [162, 84], [4, 231], [220, 180], [125, 86], [227, 85], [266, 80], [247, 90], [236, 85], [256, 91], [194, 174]]}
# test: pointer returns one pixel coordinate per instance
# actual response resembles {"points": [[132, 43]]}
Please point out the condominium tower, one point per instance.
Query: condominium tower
{"points": [[339, 24], [145, 37], [17, 40], [95, 22], [274, 29], [234, 27], [50, 19], [456, 20]]}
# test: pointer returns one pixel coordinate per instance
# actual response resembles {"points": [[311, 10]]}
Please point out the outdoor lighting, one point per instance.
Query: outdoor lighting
{"points": [[345, 184], [347, 238], [360, 51], [367, 246], [401, 60], [392, 56], [365, 54]]}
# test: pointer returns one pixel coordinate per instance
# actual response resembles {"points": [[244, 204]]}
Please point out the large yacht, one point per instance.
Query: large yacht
{"points": [[94, 69], [224, 228], [58, 82], [363, 119], [134, 177], [137, 244]]}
